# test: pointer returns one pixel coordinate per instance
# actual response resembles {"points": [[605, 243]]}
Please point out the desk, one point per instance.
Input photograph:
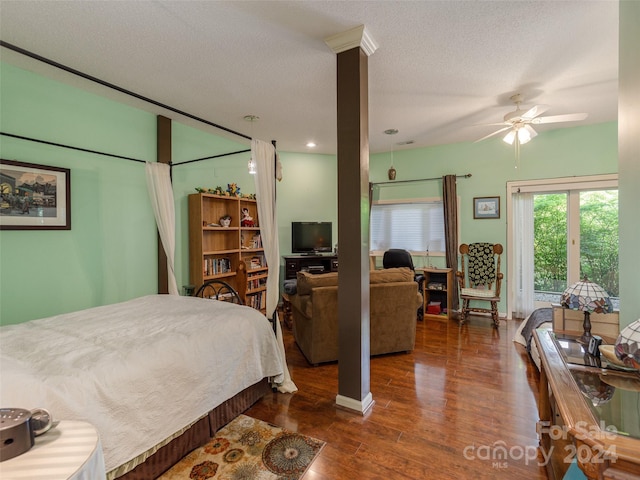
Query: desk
{"points": [[572, 425], [69, 451]]}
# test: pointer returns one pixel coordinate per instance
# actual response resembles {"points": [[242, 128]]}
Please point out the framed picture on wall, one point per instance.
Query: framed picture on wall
{"points": [[34, 197], [486, 207]]}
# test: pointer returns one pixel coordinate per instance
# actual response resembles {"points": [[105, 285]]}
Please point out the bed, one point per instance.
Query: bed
{"points": [[540, 318], [156, 375]]}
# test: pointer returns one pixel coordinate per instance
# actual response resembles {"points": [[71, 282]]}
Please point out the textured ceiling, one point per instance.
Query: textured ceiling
{"points": [[441, 68]]}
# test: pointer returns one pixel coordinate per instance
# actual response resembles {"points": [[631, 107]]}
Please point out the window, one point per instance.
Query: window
{"points": [[414, 225], [573, 233]]}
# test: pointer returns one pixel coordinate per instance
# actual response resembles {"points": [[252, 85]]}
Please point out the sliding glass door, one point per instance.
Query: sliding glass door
{"points": [[575, 235]]}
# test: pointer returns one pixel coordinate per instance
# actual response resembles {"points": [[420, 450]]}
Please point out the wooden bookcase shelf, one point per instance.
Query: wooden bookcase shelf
{"points": [[234, 253], [437, 287]]}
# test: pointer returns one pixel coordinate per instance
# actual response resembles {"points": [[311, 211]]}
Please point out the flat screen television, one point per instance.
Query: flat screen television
{"points": [[311, 237]]}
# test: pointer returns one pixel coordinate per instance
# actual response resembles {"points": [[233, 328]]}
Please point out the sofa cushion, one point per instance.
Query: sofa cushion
{"points": [[400, 274], [307, 281]]}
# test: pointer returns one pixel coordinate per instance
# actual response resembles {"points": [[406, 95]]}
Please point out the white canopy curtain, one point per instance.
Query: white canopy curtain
{"points": [[161, 194], [523, 242], [264, 154]]}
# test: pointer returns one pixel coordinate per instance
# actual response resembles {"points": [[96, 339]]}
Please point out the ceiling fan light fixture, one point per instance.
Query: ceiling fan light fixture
{"points": [[523, 136], [510, 137]]}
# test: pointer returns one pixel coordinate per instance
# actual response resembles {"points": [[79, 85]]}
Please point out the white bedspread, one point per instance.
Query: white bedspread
{"points": [[139, 370]]}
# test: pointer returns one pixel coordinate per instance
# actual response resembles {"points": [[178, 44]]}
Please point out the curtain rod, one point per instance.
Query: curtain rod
{"points": [[210, 157], [116, 87], [416, 180]]}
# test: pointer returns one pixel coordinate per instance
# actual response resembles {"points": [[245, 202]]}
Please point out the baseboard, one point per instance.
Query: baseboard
{"points": [[360, 406]]}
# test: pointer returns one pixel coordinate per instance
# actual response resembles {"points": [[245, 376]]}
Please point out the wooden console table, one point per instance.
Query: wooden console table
{"points": [[586, 412], [309, 263]]}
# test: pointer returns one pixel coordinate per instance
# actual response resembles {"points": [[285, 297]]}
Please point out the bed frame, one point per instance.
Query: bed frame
{"points": [[204, 429], [196, 436]]}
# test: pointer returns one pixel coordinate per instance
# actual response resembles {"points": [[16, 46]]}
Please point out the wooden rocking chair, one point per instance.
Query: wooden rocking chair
{"points": [[479, 278]]}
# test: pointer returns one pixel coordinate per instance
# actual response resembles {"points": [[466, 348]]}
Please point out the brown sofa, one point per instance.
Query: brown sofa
{"points": [[394, 300]]}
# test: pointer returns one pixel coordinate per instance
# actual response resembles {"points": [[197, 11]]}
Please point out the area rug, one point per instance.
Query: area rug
{"points": [[248, 448]]}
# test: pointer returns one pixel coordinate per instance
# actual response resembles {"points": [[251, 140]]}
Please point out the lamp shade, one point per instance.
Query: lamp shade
{"points": [[628, 345], [587, 296]]}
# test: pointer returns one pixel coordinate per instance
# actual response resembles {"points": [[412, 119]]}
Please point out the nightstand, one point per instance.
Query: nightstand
{"points": [[69, 451]]}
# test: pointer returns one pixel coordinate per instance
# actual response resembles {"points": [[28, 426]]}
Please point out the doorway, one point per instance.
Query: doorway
{"points": [[573, 228]]}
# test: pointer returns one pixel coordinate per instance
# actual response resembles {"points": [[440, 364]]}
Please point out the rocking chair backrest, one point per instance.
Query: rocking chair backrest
{"points": [[480, 265]]}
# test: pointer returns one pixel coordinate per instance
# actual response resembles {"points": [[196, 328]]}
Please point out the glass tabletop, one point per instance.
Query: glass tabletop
{"points": [[612, 392]]}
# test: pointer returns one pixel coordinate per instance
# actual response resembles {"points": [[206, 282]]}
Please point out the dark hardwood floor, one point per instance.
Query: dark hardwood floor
{"points": [[441, 412]]}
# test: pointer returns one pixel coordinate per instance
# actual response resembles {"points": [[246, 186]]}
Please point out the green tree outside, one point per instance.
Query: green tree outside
{"points": [[598, 240]]}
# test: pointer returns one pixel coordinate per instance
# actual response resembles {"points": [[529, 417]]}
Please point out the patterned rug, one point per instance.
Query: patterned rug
{"points": [[248, 448]]}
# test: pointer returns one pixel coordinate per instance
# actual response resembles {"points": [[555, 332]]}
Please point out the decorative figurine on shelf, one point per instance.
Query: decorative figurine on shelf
{"points": [[233, 189], [247, 220], [225, 220]]}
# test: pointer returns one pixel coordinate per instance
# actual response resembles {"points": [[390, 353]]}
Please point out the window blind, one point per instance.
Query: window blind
{"points": [[413, 226]]}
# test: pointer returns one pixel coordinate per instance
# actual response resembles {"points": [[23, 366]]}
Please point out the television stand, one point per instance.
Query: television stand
{"points": [[312, 263]]}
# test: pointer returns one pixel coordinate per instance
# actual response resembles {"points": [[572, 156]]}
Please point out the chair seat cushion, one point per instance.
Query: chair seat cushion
{"points": [[477, 292]]}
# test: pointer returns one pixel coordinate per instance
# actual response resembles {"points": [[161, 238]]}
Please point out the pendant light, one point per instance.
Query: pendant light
{"points": [[252, 163], [392, 170]]}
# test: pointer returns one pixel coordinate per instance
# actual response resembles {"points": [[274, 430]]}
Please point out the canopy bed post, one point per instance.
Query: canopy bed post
{"points": [[163, 155]]}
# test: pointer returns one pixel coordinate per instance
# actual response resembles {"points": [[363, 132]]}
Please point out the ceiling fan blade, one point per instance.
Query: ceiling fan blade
{"points": [[494, 133], [534, 112], [492, 124], [569, 117]]}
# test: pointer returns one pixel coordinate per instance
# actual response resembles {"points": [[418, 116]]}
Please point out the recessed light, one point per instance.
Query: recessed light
{"points": [[311, 145]]}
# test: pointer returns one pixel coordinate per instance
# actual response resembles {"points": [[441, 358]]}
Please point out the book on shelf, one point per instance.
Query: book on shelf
{"points": [[256, 283], [257, 261], [254, 243], [216, 266], [257, 301]]}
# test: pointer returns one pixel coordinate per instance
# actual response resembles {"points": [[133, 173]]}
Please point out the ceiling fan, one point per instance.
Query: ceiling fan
{"points": [[518, 123]]}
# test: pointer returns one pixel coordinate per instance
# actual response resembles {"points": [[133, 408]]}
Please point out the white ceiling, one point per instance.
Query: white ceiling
{"points": [[441, 68]]}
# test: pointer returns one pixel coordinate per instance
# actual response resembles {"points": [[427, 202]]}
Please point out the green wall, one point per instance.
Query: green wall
{"points": [[110, 253], [585, 150], [190, 143]]}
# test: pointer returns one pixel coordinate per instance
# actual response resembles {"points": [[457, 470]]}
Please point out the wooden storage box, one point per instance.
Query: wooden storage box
{"points": [[607, 325]]}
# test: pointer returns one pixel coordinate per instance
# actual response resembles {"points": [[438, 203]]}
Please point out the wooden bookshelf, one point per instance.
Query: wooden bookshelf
{"points": [[437, 287], [233, 253]]}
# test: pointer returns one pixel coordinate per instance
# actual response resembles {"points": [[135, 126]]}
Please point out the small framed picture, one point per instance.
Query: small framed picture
{"points": [[486, 207], [34, 197]]}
